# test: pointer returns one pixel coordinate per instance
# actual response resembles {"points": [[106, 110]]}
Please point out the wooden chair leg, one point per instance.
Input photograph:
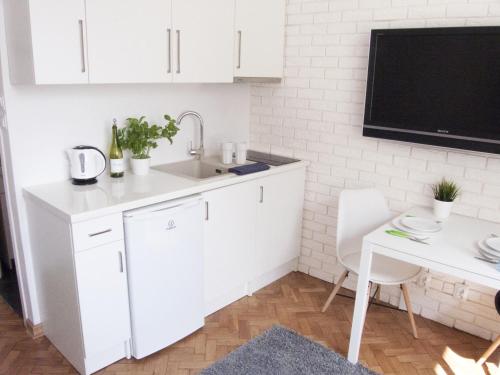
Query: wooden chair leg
{"points": [[377, 295], [489, 352], [335, 290], [406, 296]]}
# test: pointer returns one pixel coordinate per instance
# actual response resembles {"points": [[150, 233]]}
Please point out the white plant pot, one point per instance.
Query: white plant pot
{"points": [[442, 209], [140, 167]]}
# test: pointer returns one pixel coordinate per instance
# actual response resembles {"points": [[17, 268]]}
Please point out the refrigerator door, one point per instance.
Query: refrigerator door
{"points": [[165, 270]]}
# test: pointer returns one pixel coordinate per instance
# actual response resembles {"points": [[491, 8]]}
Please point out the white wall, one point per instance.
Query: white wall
{"points": [[47, 120], [317, 114], [43, 121]]}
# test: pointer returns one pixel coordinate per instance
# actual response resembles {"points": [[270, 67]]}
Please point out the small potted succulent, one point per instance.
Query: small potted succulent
{"points": [[445, 193], [140, 138]]}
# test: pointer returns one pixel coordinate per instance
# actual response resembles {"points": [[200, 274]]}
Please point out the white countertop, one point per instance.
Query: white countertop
{"points": [[114, 195]]}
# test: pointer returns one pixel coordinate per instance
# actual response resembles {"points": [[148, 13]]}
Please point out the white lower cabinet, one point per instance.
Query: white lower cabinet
{"points": [[81, 279], [228, 243], [252, 235], [104, 306], [279, 221]]}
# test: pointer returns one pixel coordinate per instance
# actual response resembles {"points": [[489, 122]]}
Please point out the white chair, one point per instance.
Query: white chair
{"points": [[360, 212]]}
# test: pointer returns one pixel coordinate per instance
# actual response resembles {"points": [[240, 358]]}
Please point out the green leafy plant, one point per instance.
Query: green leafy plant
{"points": [[140, 137], [445, 191]]}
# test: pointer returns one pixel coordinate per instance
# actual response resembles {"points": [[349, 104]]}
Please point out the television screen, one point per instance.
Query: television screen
{"points": [[436, 86]]}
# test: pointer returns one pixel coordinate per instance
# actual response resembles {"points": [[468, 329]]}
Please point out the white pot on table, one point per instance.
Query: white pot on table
{"points": [[442, 209]]}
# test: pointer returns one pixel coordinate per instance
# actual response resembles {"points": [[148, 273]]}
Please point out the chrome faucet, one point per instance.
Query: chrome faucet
{"points": [[198, 152]]}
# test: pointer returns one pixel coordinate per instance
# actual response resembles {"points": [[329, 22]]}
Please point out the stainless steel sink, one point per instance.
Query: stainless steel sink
{"points": [[194, 169]]}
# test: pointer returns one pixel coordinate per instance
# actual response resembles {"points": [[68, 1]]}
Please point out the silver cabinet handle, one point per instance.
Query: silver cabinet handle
{"points": [[99, 233], [82, 46], [261, 194], [120, 257], [206, 211], [169, 37], [239, 50], [178, 51]]}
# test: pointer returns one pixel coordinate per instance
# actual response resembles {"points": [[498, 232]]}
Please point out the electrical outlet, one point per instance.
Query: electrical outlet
{"points": [[461, 291], [424, 281]]}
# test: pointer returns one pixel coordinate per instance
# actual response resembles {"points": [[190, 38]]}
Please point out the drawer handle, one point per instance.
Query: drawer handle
{"points": [[99, 233], [120, 257], [178, 32], [82, 46], [169, 37], [239, 50]]}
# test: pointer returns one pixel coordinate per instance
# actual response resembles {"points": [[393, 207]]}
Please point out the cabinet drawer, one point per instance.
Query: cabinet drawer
{"points": [[92, 233]]}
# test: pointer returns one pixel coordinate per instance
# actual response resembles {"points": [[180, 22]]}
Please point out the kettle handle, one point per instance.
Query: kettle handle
{"points": [[101, 159]]}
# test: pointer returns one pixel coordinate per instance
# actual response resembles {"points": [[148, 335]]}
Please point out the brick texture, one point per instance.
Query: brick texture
{"points": [[316, 114]]}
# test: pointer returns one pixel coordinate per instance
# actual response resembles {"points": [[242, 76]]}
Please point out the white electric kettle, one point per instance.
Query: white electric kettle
{"points": [[87, 163]]}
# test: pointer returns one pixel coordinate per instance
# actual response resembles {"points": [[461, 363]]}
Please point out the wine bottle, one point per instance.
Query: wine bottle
{"points": [[116, 163]]}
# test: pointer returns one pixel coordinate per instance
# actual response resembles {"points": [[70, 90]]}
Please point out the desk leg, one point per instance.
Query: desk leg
{"points": [[362, 297]]}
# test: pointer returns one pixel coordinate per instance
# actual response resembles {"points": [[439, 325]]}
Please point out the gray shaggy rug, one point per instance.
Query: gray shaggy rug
{"points": [[280, 351]]}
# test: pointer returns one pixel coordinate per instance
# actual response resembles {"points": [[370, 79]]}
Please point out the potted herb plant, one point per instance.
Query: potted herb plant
{"points": [[140, 138], [445, 193]]}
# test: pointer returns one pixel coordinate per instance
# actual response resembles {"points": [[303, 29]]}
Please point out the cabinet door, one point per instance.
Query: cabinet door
{"points": [[58, 41], [129, 41], [279, 220], [259, 38], [103, 296], [228, 243], [203, 48]]}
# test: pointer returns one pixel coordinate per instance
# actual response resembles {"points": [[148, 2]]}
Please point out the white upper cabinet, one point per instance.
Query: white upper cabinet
{"points": [[143, 41], [259, 38], [203, 46], [47, 41], [129, 41]]}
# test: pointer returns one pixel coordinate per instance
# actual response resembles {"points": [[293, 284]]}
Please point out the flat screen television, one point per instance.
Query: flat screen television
{"points": [[437, 86]]}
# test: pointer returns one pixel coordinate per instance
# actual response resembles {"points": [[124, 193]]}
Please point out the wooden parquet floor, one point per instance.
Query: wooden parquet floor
{"points": [[295, 302]]}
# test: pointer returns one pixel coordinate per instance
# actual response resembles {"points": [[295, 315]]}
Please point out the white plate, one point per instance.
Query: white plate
{"points": [[483, 254], [396, 223], [421, 224], [494, 243], [487, 252]]}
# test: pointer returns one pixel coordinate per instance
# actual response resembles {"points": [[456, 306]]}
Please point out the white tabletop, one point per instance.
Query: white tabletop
{"points": [[452, 250]]}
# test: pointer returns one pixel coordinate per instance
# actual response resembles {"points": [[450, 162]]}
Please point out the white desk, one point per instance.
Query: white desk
{"points": [[450, 251]]}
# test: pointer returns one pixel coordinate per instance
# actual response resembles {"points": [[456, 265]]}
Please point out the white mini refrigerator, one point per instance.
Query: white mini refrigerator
{"points": [[164, 246]]}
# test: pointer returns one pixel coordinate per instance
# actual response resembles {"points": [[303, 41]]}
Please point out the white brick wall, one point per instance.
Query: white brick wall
{"points": [[316, 114]]}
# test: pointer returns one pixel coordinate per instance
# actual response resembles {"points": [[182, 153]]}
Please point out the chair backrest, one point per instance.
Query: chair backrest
{"points": [[360, 212]]}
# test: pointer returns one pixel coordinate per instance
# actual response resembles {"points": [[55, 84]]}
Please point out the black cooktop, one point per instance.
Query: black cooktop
{"points": [[269, 159]]}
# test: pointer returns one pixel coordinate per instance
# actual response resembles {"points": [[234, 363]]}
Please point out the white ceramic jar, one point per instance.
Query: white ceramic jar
{"points": [[227, 153], [241, 153]]}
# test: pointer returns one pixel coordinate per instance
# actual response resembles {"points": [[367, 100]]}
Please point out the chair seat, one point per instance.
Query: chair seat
{"points": [[384, 271]]}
